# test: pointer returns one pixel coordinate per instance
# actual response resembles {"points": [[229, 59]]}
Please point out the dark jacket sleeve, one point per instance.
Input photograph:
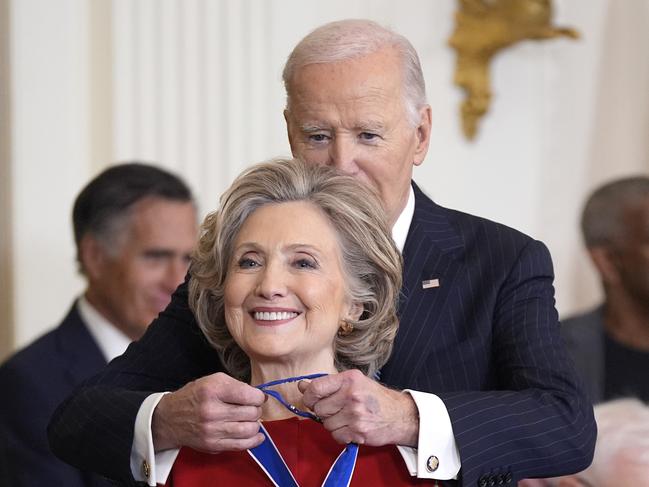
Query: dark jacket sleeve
{"points": [[93, 428], [537, 422]]}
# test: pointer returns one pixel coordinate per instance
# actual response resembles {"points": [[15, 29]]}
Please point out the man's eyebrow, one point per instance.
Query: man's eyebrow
{"points": [[370, 126], [313, 127], [158, 253]]}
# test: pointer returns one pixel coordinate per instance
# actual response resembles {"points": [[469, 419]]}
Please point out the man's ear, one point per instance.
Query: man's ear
{"points": [[93, 257], [604, 260], [423, 134], [289, 132]]}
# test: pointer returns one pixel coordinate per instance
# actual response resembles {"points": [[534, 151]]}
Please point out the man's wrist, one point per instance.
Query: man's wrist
{"points": [[161, 431], [407, 430]]}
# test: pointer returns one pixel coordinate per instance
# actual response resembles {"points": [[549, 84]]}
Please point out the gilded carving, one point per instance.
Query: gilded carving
{"points": [[482, 29]]}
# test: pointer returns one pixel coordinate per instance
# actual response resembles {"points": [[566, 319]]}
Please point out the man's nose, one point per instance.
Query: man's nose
{"points": [[272, 282], [343, 155]]}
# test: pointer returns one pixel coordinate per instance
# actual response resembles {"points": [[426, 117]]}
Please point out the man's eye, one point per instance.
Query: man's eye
{"points": [[368, 136], [247, 263], [318, 138], [305, 263]]}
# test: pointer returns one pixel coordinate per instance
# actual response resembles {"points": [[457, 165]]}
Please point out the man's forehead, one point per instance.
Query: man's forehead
{"points": [[369, 111], [311, 125]]}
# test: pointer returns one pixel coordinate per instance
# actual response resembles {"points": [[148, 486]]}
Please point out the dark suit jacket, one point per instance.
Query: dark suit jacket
{"points": [[584, 337], [33, 382], [486, 341]]}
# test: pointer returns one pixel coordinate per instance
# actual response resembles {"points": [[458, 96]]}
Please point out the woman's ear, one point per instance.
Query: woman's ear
{"points": [[355, 311]]}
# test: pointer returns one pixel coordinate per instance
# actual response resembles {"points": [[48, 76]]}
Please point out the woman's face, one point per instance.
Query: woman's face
{"points": [[284, 291]]}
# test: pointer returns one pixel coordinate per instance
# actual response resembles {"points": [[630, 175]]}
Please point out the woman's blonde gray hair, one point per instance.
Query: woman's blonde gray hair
{"points": [[371, 263]]}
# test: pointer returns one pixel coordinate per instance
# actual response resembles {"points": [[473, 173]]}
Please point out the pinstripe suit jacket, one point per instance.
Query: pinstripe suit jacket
{"points": [[486, 341]]}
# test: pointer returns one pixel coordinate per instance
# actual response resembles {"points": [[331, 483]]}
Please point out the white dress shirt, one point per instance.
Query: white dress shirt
{"points": [[436, 455], [111, 341]]}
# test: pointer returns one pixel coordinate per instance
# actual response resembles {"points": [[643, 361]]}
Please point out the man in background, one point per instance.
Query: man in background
{"points": [[621, 452], [610, 345], [134, 228]]}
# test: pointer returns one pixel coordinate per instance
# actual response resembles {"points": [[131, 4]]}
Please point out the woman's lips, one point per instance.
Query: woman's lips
{"points": [[274, 317]]}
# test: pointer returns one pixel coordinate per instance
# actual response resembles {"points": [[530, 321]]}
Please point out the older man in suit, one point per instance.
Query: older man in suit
{"points": [[132, 265], [478, 389]]}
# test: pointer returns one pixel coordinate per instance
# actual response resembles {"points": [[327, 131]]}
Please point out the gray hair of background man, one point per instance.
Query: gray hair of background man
{"points": [[104, 206], [354, 38], [602, 220]]}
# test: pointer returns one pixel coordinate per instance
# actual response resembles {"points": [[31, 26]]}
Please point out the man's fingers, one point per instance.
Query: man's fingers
{"points": [[303, 384], [231, 444], [231, 391], [320, 388], [240, 430], [345, 436], [240, 445], [235, 413]]}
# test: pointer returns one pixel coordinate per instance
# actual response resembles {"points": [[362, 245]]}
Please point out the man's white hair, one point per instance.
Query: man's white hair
{"points": [[354, 38]]}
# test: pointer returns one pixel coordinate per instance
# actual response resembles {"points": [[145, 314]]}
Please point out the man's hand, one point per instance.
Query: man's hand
{"points": [[357, 409], [212, 414]]}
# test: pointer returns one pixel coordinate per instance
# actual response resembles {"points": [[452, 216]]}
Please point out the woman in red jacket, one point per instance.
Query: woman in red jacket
{"points": [[296, 276]]}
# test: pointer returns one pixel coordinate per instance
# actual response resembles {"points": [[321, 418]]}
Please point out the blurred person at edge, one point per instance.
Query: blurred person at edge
{"points": [[621, 452], [489, 385], [610, 344], [134, 227]]}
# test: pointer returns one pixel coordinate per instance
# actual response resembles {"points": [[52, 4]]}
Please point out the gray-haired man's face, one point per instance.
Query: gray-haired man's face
{"points": [[351, 115], [132, 285]]}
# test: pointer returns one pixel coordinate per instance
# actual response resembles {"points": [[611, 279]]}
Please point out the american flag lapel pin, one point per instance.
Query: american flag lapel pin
{"points": [[430, 283]]}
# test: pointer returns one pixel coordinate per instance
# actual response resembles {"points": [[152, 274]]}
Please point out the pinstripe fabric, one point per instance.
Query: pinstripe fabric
{"points": [[486, 341]]}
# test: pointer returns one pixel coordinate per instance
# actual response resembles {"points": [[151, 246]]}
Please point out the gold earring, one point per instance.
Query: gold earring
{"points": [[345, 328]]}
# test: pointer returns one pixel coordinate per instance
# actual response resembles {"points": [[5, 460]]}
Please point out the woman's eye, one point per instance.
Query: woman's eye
{"points": [[247, 263], [306, 263]]}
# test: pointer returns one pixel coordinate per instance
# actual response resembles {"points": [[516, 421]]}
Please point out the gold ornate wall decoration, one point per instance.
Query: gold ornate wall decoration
{"points": [[482, 29]]}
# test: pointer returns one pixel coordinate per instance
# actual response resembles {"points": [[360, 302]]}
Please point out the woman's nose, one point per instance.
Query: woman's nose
{"points": [[272, 282]]}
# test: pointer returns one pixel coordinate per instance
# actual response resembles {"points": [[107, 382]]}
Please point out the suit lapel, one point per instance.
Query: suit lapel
{"points": [[78, 349], [431, 252]]}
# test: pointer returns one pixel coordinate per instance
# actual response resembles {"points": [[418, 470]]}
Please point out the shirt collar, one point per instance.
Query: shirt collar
{"points": [[111, 341], [402, 225]]}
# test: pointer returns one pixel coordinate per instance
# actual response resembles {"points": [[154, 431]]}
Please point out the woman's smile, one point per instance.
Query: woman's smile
{"points": [[273, 316]]}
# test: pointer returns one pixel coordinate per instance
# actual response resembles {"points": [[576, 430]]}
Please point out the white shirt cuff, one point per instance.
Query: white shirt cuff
{"points": [[436, 455], [147, 465]]}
